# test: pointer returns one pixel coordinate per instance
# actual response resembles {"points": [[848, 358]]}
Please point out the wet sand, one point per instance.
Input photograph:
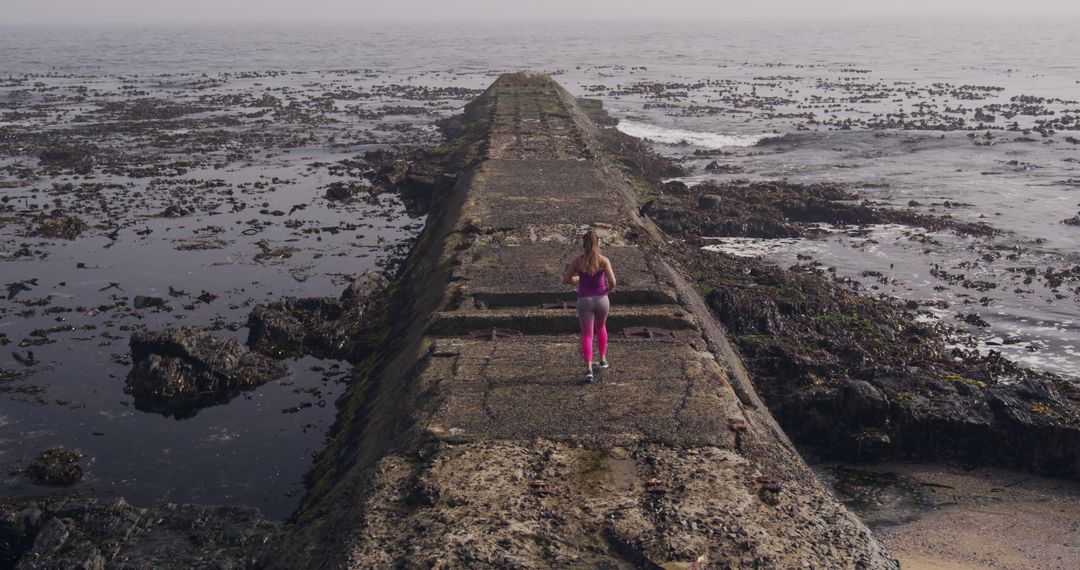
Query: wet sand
{"points": [[987, 518]]}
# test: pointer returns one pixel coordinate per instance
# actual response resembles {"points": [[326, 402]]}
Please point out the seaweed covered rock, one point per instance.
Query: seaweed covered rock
{"points": [[296, 326], [78, 158], [56, 467], [343, 191], [745, 312], [423, 181], [389, 167], [775, 210], [327, 327], [851, 377], [638, 158], [58, 225], [96, 534], [178, 371]]}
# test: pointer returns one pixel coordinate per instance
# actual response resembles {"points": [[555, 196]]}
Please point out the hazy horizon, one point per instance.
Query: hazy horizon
{"points": [[430, 11]]}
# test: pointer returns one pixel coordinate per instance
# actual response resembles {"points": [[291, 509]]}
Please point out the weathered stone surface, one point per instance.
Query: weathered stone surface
{"points": [[178, 371], [94, 534]]}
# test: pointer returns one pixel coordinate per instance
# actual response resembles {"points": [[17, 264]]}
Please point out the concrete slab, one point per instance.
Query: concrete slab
{"points": [[532, 387], [556, 320], [499, 274], [513, 193]]}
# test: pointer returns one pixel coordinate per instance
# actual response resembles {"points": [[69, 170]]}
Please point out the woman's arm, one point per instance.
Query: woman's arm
{"points": [[609, 274], [570, 276]]}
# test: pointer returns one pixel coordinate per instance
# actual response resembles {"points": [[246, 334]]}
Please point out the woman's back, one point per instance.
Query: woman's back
{"points": [[595, 278], [592, 285]]}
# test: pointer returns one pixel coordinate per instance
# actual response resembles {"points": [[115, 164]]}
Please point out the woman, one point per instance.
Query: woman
{"points": [[595, 278]]}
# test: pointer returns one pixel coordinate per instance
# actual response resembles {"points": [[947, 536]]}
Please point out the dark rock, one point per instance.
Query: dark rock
{"points": [[295, 326], [973, 319], [638, 157], [1035, 390], [341, 191], [364, 289], [709, 201], [863, 404], [178, 371], [870, 444], [675, 187], [1073, 221], [716, 167], [56, 467], [389, 168], [97, 534], [321, 326], [772, 210], [143, 302], [79, 158], [422, 182], [745, 312], [174, 211]]}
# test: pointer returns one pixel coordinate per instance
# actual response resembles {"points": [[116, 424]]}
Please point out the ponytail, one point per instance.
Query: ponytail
{"points": [[590, 262]]}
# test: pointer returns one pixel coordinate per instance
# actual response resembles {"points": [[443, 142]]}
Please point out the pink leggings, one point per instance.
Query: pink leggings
{"points": [[592, 315]]}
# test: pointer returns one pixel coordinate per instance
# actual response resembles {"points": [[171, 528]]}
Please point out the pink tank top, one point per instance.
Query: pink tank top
{"points": [[591, 285]]}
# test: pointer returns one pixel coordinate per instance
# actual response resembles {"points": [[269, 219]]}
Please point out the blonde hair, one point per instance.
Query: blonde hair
{"points": [[590, 262]]}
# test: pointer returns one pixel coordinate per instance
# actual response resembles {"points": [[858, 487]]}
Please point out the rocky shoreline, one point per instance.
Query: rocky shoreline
{"points": [[846, 375], [851, 376], [100, 534]]}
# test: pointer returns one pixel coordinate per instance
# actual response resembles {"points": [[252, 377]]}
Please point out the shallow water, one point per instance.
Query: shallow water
{"points": [[256, 228]]}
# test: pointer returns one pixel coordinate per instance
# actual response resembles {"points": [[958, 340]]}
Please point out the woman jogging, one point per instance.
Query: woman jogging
{"points": [[595, 278]]}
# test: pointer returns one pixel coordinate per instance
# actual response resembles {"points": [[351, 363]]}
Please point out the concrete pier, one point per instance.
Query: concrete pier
{"points": [[484, 450]]}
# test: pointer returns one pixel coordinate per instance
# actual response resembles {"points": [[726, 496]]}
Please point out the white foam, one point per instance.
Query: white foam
{"points": [[750, 247], [695, 138]]}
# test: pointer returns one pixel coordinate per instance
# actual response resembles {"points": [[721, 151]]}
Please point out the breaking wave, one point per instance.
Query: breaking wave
{"points": [[695, 138]]}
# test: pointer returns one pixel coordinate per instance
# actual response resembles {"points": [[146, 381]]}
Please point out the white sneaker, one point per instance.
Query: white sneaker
{"points": [[588, 376]]}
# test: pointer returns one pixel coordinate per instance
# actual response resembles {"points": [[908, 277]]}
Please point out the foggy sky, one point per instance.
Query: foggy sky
{"points": [[132, 11]]}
